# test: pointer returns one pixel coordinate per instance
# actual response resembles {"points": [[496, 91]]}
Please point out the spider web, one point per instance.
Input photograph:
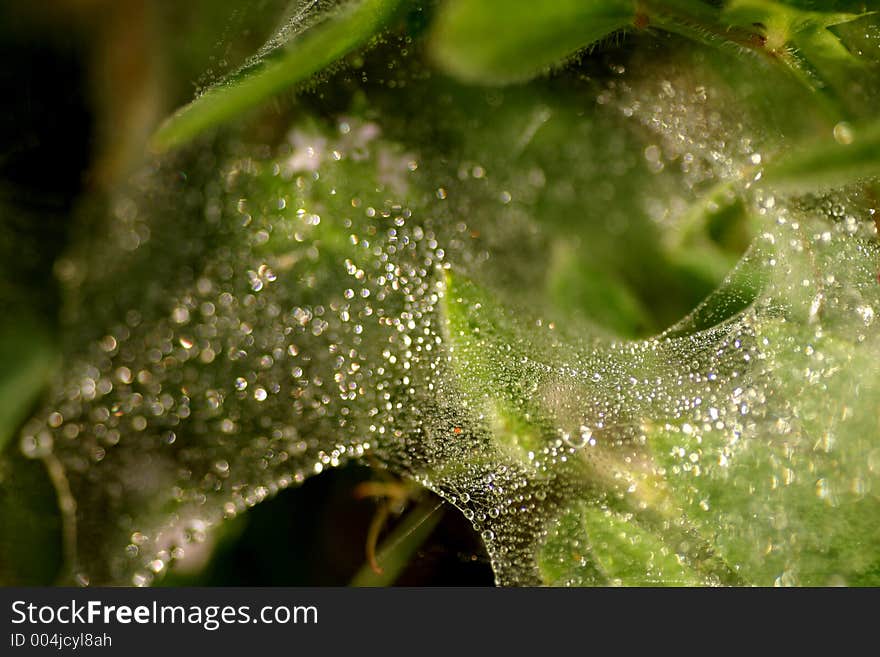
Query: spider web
{"points": [[248, 315]]}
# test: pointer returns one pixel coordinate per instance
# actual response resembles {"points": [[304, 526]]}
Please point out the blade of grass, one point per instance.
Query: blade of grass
{"points": [[306, 54], [398, 549]]}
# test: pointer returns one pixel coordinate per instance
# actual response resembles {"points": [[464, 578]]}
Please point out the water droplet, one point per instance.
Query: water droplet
{"points": [[843, 133]]}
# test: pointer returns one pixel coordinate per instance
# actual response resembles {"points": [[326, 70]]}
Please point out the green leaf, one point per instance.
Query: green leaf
{"points": [[781, 494], [306, 54], [590, 546], [509, 375], [781, 22], [815, 522], [503, 41], [30, 522], [576, 284], [851, 155], [27, 355], [802, 42], [861, 37], [480, 336]]}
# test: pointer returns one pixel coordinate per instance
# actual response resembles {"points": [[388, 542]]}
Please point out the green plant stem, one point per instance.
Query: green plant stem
{"points": [[399, 547]]}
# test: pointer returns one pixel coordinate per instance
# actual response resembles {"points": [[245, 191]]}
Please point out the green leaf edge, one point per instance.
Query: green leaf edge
{"points": [[302, 57]]}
